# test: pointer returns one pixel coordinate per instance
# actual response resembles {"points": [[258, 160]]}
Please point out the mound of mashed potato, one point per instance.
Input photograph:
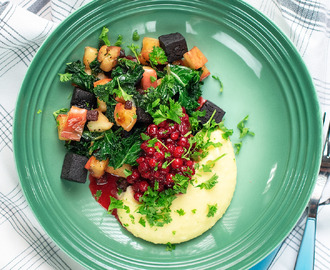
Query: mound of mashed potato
{"points": [[196, 202]]}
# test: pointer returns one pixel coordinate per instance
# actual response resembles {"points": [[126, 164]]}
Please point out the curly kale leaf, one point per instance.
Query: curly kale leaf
{"points": [[181, 84], [120, 150], [79, 76]]}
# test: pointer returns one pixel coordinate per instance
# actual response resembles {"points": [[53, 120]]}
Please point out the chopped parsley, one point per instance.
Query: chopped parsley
{"points": [[134, 48], [238, 147], [212, 210], [170, 247], [209, 184], [132, 219], [104, 36], [173, 112], [145, 137], [97, 195], [119, 40], [152, 79], [193, 211], [135, 36], [127, 172], [157, 56], [142, 221], [60, 111], [244, 131], [117, 204], [181, 212], [65, 77], [220, 82]]}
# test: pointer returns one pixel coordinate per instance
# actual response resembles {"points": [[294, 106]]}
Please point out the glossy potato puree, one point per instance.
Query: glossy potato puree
{"points": [[190, 225]]}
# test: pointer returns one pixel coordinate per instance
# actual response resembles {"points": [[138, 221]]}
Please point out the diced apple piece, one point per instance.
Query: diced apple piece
{"points": [[101, 124], [205, 73], [124, 117], [101, 105], [194, 58], [107, 56], [61, 121], [148, 45], [96, 167], [89, 56], [119, 171], [149, 78]]}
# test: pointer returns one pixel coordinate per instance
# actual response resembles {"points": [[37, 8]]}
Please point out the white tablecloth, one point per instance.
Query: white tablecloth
{"points": [[24, 25]]}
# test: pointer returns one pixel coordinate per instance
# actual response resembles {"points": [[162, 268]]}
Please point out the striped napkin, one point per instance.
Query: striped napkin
{"points": [[25, 24]]}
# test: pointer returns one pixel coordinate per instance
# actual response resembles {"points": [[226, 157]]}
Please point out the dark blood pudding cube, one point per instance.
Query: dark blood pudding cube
{"points": [[143, 116], [174, 45], [209, 107], [73, 168], [83, 99]]}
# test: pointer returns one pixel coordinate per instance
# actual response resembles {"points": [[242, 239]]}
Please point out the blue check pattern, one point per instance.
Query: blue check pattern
{"points": [[25, 24]]}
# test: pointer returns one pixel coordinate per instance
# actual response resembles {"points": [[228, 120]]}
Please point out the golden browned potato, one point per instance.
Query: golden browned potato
{"points": [[120, 171], [107, 56], [89, 56], [101, 124]]}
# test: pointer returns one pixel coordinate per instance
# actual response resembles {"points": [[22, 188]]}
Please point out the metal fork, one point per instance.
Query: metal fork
{"points": [[306, 255]]}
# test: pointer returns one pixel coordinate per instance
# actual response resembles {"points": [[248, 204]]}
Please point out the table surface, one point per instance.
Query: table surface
{"points": [[24, 244]]}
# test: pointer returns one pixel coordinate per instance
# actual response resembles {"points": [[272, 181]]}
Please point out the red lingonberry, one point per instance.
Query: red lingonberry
{"points": [[150, 151], [143, 186], [175, 135], [178, 151], [152, 130], [177, 163], [137, 196]]}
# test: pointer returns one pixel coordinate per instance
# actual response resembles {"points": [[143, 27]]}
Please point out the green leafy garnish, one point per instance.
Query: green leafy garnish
{"points": [[145, 137], [104, 36], [65, 77], [136, 36], [79, 76], [152, 79], [117, 204], [142, 221], [209, 184], [97, 195], [172, 112], [127, 172], [193, 211], [238, 147], [134, 48], [117, 149], [244, 131], [60, 111], [170, 247], [157, 56], [212, 210], [121, 93], [119, 40], [181, 212], [220, 82]]}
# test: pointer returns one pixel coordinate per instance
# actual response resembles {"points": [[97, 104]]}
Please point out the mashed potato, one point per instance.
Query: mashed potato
{"points": [[195, 203]]}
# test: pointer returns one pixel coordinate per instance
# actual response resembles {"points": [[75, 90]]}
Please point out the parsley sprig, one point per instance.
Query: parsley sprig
{"points": [[157, 56]]}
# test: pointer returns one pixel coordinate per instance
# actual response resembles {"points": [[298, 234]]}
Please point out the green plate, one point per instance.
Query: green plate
{"points": [[263, 77]]}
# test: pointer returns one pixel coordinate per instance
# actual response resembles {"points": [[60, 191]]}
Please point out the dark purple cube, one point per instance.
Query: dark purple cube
{"points": [[209, 107], [174, 45], [73, 168]]}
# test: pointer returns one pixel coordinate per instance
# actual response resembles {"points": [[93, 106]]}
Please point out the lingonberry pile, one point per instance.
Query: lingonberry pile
{"points": [[164, 154]]}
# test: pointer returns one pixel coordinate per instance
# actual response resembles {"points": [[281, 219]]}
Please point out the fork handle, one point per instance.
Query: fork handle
{"points": [[305, 259]]}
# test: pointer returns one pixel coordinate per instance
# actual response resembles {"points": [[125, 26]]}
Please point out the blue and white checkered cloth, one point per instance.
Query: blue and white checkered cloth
{"points": [[25, 24]]}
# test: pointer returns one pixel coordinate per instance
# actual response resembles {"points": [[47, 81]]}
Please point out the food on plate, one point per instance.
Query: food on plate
{"points": [[191, 212], [158, 154]]}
